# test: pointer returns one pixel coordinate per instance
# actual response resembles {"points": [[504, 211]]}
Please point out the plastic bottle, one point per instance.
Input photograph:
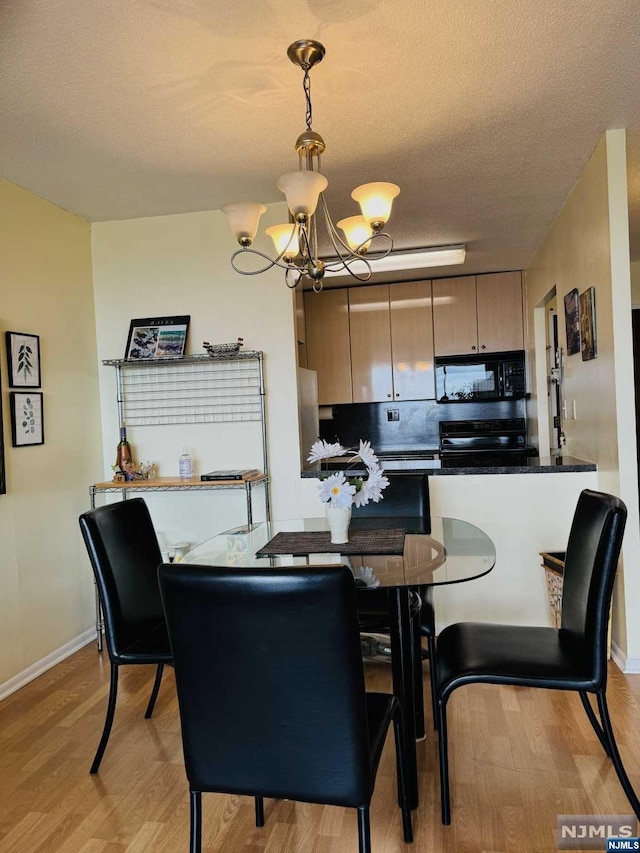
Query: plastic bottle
{"points": [[185, 465]]}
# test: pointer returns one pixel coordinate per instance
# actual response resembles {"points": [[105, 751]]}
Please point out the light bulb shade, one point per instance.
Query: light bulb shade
{"points": [[375, 201], [285, 239], [357, 231], [302, 189], [244, 217]]}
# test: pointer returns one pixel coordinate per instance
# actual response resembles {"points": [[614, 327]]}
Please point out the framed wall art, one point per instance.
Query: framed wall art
{"points": [[3, 477], [23, 359], [572, 321], [157, 337], [27, 418], [588, 336]]}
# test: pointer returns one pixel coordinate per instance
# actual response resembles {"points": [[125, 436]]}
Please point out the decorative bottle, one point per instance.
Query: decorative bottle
{"points": [[124, 457], [185, 465]]}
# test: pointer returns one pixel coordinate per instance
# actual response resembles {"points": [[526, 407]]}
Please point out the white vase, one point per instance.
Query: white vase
{"points": [[339, 518]]}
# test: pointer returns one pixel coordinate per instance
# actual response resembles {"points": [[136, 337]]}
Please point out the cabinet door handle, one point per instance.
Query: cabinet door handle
{"points": [[473, 347], [483, 347], [397, 393], [388, 395]]}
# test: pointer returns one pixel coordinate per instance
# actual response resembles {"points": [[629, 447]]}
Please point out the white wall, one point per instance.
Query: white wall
{"points": [[588, 245], [523, 514], [46, 588], [180, 265]]}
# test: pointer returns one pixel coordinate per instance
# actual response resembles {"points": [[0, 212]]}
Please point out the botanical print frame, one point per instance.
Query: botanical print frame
{"points": [[157, 337], [27, 418], [588, 333], [23, 359], [3, 476], [572, 321]]}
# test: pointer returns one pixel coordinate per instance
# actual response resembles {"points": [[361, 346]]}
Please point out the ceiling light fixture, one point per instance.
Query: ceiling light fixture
{"points": [[434, 256], [296, 242]]}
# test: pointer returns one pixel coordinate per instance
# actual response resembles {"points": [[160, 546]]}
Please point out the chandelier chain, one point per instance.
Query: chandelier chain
{"points": [[306, 85]]}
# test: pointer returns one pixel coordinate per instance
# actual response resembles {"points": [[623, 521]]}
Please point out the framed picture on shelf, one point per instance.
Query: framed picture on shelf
{"points": [[23, 359], [588, 337], [157, 337], [27, 418], [572, 321]]}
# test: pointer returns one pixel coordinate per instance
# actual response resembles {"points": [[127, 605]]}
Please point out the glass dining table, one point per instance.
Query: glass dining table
{"points": [[400, 554]]}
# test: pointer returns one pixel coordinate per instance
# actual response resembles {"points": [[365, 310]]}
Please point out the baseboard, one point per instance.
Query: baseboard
{"points": [[629, 666], [46, 663]]}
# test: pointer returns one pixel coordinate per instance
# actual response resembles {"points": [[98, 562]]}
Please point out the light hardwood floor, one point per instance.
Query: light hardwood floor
{"points": [[519, 758]]}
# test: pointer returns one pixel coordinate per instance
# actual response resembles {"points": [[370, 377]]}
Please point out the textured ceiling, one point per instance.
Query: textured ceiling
{"points": [[483, 111]]}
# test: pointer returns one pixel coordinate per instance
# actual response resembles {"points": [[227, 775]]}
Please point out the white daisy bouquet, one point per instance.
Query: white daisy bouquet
{"points": [[341, 490]]}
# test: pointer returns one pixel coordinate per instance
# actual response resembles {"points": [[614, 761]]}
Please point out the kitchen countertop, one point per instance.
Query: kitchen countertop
{"points": [[534, 465]]}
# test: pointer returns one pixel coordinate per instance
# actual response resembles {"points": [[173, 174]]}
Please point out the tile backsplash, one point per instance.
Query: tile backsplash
{"points": [[411, 425]]}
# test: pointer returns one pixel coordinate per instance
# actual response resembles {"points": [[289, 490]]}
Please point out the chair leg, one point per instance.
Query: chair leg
{"points": [[364, 830], [418, 687], [154, 692], [111, 709], [615, 755], [259, 811], [401, 771], [444, 762], [594, 722], [431, 645], [196, 822]]}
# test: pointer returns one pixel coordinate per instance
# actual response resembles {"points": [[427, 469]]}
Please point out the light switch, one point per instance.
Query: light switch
{"points": [[393, 414]]}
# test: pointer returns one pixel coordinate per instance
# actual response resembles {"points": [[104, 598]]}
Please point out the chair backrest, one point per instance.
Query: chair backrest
{"points": [[125, 555], [406, 495], [590, 566], [270, 681]]}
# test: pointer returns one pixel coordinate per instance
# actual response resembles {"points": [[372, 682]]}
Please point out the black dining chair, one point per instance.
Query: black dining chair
{"points": [[271, 689], [406, 496], [572, 657], [125, 555]]}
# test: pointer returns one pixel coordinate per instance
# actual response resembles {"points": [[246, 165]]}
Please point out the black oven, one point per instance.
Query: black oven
{"points": [[473, 378], [484, 443]]}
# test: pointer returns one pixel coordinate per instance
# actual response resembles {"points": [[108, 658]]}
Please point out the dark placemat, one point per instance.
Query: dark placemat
{"points": [[319, 542]]}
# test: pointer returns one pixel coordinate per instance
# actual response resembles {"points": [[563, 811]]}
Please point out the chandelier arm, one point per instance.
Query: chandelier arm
{"points": [[353, 253], [314, 239], [333, 233], [303, 241], [297, 281], [248, 251], [345, 263], [383, 253]]}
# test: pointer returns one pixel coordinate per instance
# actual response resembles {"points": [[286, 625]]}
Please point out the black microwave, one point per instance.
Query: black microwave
{"points": [[473, 378]]}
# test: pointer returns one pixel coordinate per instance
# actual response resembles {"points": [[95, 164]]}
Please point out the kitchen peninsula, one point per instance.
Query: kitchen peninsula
{"points": [[435, 468], [525, 509]]}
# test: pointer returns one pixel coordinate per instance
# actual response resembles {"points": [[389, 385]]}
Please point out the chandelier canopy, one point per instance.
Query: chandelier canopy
{"points": [[296, 242]]}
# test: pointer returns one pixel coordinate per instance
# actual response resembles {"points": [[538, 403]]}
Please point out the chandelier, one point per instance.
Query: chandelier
{"points": [[296, 242]]}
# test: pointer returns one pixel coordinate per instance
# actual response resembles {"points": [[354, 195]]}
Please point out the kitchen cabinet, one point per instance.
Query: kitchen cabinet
{"points": [[476, 314], [391, 342], [328, 345], [412, 340]]}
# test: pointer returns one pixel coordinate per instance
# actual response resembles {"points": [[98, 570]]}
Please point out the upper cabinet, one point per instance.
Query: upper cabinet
{"points": [[375, 343], [391, 342], [412, 340], [476, 314], [327, 344]]}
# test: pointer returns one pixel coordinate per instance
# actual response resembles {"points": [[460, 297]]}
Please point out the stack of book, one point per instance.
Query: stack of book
{"points": [[232, 474]]}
